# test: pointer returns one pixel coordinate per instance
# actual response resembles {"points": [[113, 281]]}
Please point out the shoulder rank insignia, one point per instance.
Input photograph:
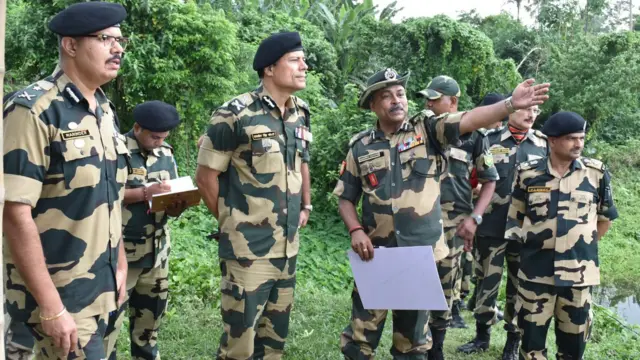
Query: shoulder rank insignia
{"points": [[594, 163], [359, 136], [236, 105]]}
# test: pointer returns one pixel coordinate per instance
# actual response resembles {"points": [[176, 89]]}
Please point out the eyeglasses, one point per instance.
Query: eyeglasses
{"points": [[534, 111], [110, 41]]}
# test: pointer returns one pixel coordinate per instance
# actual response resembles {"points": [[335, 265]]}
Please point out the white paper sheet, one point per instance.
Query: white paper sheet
{"points": [[403, 278]]}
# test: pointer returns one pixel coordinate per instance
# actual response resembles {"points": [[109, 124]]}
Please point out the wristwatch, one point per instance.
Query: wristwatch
{"points": [[477, 218], [509, 105], [308, 207]]}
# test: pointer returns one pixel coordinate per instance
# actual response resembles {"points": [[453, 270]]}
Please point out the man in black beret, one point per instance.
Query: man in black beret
{"points": [[561, 207], [145, 234], [253, 174], [65, 261]]}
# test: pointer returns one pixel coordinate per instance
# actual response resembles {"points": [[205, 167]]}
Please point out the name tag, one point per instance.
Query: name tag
{"points": [[139, 171], [370, 157], [75, 134], [538, 189], [264, 135], [499, 151]]}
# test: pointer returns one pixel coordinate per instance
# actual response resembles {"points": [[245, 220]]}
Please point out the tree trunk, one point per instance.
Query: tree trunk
{"points": [[3, 8]]}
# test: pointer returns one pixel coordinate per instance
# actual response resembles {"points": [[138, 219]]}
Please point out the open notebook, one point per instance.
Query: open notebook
{"points": [[181, 189]]}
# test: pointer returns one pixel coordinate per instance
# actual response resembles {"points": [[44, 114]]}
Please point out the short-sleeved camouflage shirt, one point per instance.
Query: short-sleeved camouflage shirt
{"points": [[259, 153], [457, 195], [398, 176], [69, 164], [145, 234], [556, 217], [507, 154]]}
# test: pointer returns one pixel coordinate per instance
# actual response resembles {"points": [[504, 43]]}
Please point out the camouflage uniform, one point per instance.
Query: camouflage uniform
{"points": [[456, 203], [19, 343], [146, 241], [70, 165], [556, 216], [259, 153], [463, 280], [399, 175], [490, 245]]}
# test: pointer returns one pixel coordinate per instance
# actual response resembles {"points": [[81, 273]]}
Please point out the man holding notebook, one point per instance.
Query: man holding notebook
{"points": [[145, 233]]}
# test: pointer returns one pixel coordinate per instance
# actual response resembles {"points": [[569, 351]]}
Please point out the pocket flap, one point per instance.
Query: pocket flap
{"points": [[459, 154], [582, 196], [231, 289], [418, 152], [373, 165], [539, 198]]}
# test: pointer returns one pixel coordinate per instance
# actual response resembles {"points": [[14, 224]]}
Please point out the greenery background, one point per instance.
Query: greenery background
{"points": [[197, 54]]}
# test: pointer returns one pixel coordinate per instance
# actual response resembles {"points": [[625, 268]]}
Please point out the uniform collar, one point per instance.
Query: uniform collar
{"points": [[506, 133], [377, 133], [577, 164], [267, 101], [71, 92]]}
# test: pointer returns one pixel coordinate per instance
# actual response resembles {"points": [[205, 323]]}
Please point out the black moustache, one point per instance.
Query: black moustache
{"points": [[115, 57], [395, 108]]}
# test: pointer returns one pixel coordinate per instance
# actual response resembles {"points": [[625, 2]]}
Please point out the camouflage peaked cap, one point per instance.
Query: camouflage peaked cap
{"points": [[441, 85], [381, 80]]}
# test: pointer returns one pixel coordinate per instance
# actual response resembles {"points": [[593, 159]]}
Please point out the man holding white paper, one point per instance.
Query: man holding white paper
{"points": [[145, 233], [396, 167]]}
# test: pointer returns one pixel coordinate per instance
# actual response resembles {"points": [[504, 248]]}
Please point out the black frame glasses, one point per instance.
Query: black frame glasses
{"points": [[109, 40]]}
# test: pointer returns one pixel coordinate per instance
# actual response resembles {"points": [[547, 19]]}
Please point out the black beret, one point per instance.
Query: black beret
{"points": [[563, 123], [156, 116], [274, 47], [87, 17], [491, 98]]}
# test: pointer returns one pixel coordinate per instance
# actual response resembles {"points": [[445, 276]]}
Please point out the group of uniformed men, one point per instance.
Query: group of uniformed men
{"points": [[82, 244]]}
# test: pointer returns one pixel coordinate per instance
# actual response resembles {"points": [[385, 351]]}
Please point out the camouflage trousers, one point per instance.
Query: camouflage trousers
{"points": [[360, 339], [19, 341], [146, 301], [449, 270], [91, 344], [463, 280], [570, 307], [256, 301], [490, 256]]}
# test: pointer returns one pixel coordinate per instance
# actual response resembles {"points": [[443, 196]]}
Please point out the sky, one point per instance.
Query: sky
{"points": [[428, 8]]}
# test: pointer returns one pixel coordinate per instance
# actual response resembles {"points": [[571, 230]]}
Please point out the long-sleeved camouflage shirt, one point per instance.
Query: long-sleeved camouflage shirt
{"points": [[507, 154], [457, 194], [556, 217], [69, 164], [145, 234], [259, 153], [398, 176]]}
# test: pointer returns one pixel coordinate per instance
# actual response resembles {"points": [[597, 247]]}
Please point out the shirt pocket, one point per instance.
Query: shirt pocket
{"points": [[538, 206], [581, 206], [375, 171], [459, 165], [266, 155], [82, 165], [416, 163]]}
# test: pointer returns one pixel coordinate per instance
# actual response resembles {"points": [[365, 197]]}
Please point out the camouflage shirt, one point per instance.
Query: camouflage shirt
{"points": [[398, 176], [556, 217], [145, 234], [507, 154], [259, 153], [69, 164], [457, 195]]}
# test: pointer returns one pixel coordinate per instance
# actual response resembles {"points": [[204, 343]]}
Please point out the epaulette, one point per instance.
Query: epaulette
{"points": [[424, 114], [358, 136], [594, 163], [28, 96], [539, 134], [528, 165], [239, 103], [301, 103]]}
